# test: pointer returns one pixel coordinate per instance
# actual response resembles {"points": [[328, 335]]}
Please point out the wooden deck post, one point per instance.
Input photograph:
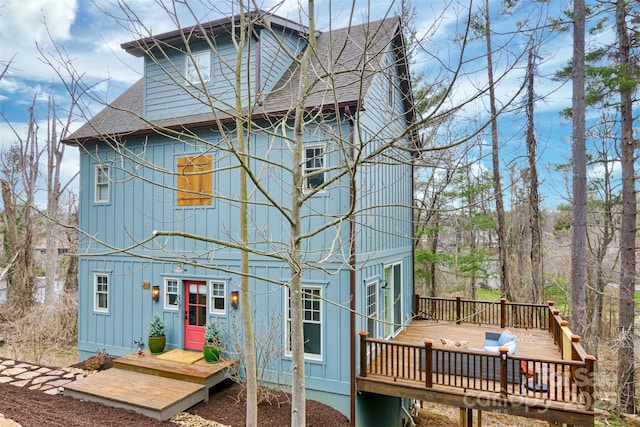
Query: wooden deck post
{"points": [[428, 345], [589, 360], [575, 339], [363, 352], [503, 371], [416, 306], [458, 309], [503, 313]]}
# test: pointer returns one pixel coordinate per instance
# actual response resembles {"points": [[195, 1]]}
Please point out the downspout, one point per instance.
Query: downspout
{"points": [[352, 279]]}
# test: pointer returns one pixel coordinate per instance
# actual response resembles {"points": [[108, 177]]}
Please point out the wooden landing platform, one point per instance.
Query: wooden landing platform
{"points": [[153, 396], [200, 372], [151, 386]]}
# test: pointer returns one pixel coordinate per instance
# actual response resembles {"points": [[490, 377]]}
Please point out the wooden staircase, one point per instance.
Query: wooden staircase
{"points": [[151, 386]]}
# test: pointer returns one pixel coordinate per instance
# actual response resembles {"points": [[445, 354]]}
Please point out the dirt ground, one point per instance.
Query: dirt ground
{"points": [[35, 408]]}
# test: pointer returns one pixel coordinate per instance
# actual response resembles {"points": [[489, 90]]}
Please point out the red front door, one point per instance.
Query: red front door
{"points": [[195, 314]]}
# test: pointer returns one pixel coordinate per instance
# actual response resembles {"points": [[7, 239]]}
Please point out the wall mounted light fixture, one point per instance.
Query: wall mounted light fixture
{"points": [[179, 268], [234, 298], [155, 293]]}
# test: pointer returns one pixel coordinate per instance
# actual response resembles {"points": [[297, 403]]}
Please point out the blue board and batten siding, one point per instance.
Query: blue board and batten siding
{"points": [[385, 228], [142, 199]]}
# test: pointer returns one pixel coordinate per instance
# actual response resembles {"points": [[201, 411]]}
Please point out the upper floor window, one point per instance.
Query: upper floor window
{"points": [[102, 184], [171, 294], [391, 91], [217, 297], [313, 167], [199, 67], [101, 293], [195, 180]]}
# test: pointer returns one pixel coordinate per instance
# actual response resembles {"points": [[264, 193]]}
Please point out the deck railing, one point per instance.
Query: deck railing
{"points": [[500, 313], [423, 366]]}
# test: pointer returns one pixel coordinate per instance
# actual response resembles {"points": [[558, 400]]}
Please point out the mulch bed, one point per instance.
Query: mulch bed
{"points": [[226, 405]]}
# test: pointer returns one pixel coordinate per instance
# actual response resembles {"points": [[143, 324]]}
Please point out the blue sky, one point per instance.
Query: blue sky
{"points": [[92, 41]]}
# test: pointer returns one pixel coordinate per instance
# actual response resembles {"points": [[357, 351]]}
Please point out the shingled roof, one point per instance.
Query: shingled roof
{"points": [[341, 72]]}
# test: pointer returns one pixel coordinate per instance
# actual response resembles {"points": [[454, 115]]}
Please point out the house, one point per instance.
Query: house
{"points": [[158, 167]]}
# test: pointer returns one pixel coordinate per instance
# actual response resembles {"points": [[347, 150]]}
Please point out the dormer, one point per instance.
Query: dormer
{"points": [[192, 71]]}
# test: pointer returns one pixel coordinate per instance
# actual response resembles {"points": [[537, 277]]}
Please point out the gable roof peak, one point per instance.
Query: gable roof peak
{"points": [[217, 27]]}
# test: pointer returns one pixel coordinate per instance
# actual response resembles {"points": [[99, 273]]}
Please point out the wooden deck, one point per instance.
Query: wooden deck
{"points": [[534, 343], [549, 378], [151, 386]]}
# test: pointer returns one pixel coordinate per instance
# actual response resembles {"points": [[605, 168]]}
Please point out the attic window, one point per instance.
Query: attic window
{"points": [[391, 92], [198, 67], [195, 180]]}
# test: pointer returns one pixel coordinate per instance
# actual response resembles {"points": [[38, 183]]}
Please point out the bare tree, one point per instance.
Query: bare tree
{"points": [[495, 161], [20, 165], [579, 156], [626, 67], [534, 197]]}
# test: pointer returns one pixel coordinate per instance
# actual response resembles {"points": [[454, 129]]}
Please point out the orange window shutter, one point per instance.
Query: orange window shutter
{"points": [[195, 180]]}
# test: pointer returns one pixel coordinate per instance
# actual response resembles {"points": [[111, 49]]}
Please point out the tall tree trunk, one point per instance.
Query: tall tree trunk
{"points": [[579, 184], [55, 151], [534, 197], [626, 370], [505, 288], [433, 289], [248, 332], [298, 395]]}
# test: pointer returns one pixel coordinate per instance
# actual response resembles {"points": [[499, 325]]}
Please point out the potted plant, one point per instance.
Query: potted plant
{"points": [[157, 338], [212, 339]]}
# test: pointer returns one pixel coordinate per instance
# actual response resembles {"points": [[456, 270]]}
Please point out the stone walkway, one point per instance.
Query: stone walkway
{"points": [[35, 377], [52, 381]]}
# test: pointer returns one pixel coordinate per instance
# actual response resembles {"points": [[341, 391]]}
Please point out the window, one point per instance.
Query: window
{"points": [[101, 293], [198, 67], [195, 180], [372, 309], [312, 319], [313, 167], [217, 297], [391, 94], [102, 184], [171, 294]]}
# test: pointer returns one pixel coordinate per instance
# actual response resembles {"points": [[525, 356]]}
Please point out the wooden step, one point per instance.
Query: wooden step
{"points": [[154, 396], [200, 372]]}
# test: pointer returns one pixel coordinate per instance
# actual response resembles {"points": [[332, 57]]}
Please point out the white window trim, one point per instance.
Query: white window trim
{"points": [[391, 91], [191, 60], [372, 284], [324, 166], [213, 310], [95, 293], [107, 184], [168, 306], [307, 356]]}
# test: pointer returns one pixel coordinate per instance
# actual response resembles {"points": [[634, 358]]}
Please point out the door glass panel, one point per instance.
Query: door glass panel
{"points": [[192, 315], [202, 315]]}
